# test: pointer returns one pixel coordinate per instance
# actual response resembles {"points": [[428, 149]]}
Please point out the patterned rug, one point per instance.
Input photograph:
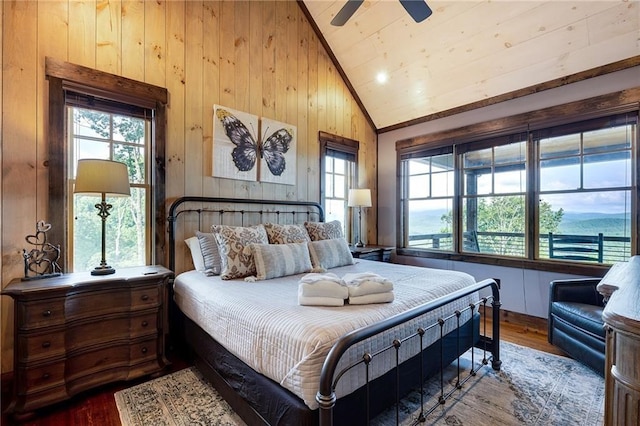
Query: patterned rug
{"points": [[533, 388]]}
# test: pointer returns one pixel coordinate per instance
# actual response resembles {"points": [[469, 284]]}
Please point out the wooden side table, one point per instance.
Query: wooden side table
{"points": [[78, 331], [379, 253]]}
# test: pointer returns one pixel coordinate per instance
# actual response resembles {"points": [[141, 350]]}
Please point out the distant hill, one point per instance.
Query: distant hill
{"points": [[427, 222], [612, 225]]}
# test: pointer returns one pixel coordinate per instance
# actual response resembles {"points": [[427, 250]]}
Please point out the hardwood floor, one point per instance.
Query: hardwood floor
{"points": [[98, 407]]}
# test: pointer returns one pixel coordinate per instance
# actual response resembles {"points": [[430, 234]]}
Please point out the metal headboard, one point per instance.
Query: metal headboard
{"points": [[234, 211]]}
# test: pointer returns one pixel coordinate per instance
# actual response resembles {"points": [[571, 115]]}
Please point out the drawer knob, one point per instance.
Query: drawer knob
{"points": [[46, 344], [144, 350], [46, 376], [144, 323], [46, 313], [144, 297]]}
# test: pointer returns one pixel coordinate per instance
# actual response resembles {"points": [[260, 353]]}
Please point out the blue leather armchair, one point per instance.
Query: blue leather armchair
{"points": [[575, 320]]}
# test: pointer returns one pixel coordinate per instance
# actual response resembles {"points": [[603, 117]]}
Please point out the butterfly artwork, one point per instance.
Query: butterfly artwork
{"points": [[272, 157], [278, 150], [235, 147]]}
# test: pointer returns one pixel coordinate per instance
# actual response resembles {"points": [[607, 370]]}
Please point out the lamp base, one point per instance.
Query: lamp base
{"points": [[103, 270], [359, 244]]}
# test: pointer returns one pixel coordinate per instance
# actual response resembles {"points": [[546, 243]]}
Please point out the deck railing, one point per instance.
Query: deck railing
{"points": [[615, 249]]}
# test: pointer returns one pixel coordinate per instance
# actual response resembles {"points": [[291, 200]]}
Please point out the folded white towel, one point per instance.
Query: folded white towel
{"points": [[322, 285], [324, 289], [319, 301], [364, 283], [372, 298], [315, 277]]}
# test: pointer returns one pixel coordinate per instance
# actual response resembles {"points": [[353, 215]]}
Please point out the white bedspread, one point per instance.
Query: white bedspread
{"points": [[263, 325]]}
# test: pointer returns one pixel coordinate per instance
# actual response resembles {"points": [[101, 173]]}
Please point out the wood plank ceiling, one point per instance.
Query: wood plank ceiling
{"points": [[469, 51]]}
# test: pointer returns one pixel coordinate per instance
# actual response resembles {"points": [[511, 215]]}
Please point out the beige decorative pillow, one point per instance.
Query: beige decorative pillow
{"points": [[286, 234], [330, 253], [280, 260], [324, 230], [237, 262], [210, 253]]}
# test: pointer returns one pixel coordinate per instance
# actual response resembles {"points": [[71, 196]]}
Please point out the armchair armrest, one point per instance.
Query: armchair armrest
{"points": [[581, 290]]}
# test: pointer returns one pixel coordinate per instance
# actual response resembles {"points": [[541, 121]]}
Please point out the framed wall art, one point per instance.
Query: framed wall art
{"points": [[239, 152]]}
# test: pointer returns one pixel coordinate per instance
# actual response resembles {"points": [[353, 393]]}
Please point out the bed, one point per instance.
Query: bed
{"points": [[277, 362]]}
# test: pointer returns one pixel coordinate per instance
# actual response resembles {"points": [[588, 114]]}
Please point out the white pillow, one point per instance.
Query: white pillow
{"points": [[196, 253], [330, 253], [280, 260]]}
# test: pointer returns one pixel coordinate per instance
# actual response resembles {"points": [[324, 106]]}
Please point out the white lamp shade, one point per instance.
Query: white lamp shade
{"points": [[359, 198], [102, 177]]}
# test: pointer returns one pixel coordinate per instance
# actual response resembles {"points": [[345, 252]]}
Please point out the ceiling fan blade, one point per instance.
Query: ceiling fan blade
{"points": [[418, 9], [345, 13]]}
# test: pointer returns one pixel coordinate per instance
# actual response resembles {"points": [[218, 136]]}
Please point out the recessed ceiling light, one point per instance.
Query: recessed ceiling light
{"points": [[382, 77]]}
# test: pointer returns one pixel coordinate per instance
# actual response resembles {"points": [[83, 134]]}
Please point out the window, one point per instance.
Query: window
{"points": [[585, 189], [563, 193], [428, 200], [338, 167], [94, 133], [120, 102], [493, 197]]}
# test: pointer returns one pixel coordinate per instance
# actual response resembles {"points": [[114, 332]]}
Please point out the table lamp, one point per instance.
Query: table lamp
{"points": [[102, 177], [359, 198]]}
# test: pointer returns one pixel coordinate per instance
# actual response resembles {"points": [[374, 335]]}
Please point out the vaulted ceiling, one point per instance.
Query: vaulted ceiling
{"points": [[473, 52]]}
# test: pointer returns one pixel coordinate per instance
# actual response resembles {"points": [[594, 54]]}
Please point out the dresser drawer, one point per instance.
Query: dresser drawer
{"points": [[40, 377], [95, 333], [144, 350], [36, 347], [95, 303], [40, 313], [98, 361], [145, 297], [144, 324]]}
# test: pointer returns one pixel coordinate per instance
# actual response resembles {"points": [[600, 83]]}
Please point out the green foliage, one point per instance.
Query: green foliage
{"points": [[505, 215]]}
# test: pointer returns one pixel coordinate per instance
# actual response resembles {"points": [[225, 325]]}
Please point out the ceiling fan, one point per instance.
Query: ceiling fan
{"points": [[418, 9]]}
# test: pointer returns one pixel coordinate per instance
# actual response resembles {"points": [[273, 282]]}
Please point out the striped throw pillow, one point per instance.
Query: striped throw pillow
{"points": [[280, 260], [331, 253]]}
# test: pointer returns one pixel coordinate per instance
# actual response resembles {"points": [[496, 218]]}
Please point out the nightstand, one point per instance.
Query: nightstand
{"points": [[77, 331], [379, 253]]}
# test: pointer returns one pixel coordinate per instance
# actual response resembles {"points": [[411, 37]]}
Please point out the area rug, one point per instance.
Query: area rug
{"points": [[532, 388]]}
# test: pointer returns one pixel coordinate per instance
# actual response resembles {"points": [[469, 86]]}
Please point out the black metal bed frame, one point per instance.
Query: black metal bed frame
{"points": [[314, 211], [298, 211]]}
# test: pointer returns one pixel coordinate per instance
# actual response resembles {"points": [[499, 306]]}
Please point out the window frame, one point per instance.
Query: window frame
{"points": [[349, 147], [63, 78], [626, 101]]}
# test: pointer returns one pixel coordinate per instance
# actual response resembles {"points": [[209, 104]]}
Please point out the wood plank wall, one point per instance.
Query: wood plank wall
{"points": [[261, 57]]}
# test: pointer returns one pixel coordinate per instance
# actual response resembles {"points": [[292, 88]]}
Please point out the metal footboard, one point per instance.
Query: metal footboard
{"points": [[329, 377]]}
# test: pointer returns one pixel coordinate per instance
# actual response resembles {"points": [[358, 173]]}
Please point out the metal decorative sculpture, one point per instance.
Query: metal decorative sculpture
{"points": [[41, 261]]}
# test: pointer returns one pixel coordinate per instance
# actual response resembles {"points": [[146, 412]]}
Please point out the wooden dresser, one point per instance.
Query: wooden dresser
{"points": [[621, 285], [78, 331]]}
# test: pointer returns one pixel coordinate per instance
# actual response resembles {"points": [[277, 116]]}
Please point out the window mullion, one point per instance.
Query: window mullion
{"points": [[456, 220], [532, 211]]}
